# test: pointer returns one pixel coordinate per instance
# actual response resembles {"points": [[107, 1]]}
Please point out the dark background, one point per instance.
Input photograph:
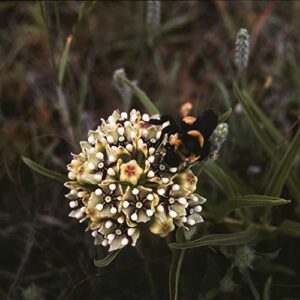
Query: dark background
{"points": [[191, 58]]}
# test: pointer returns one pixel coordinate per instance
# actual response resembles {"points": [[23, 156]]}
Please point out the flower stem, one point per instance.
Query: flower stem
{"points": [[147, 271]]}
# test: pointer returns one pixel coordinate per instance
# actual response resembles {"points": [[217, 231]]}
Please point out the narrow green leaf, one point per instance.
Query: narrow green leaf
{"points": [[268, 125], [268, 255], [152, 109], [246, 201], [283, 170], [227, 182], [269, 267], [174, 274], [247, 277], [178, 22], [224, 93], [106, 260], [44, 171], [225, 116], [64, 60], [188, 234], [255, 124], [226, 239], [268, 136], [177, 259], [290, 228]]}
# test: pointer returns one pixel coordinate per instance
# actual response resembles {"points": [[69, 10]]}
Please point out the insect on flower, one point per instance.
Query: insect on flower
{"points": [[135, 170], [190, 140]]}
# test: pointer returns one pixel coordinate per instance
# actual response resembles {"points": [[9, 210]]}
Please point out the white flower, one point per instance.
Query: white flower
{"points": [[120, 181]]}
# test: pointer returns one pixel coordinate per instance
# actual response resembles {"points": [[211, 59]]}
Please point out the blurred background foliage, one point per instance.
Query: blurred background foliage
{"points": [[56, 68]]}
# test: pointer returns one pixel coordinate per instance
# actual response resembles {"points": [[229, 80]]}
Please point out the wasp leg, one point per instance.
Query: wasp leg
{"points": [[170, 129], [163, 119], [171, 158], [155, 121]]}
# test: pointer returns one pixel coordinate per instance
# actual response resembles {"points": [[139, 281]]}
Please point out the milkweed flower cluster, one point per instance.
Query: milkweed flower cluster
{"points": [[119, 181]]}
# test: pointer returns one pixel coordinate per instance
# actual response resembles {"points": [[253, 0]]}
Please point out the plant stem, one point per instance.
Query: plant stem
{"points": [[262, 227], [147, 271]]}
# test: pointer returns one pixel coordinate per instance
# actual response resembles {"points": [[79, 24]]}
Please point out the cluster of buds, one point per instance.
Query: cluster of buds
{"points": [[119, 181], [244, 258], [242, 49], [153, 13], [217, 139]]}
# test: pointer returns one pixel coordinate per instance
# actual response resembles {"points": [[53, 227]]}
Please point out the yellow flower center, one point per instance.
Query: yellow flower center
{"points": [[130, 172], [190, 178], [162, 228]]}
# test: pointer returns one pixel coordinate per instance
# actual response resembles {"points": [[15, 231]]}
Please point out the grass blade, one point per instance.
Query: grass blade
{"points": [[269, 127], [177, 259], [265, 132], [230, 185], [44, 171], [246, 201], [226, 239], [290, 228], [106, 260], [255, 124], [64, 60], [283, 170], [152, 109]]}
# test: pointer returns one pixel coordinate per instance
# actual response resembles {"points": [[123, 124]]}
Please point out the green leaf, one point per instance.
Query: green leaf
{"points": [[188, 234], [44, 171], [226, 239], [64, 60], [268, 125], [282, 172], [106, 260], [268, 267], [247, 277], [177, 259], [227, 182], [224, 92], [290, 228], [152, 109], [268, 256], [246, 201], [179, 21], [225, 116], [254, 122], [266, 133]]}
